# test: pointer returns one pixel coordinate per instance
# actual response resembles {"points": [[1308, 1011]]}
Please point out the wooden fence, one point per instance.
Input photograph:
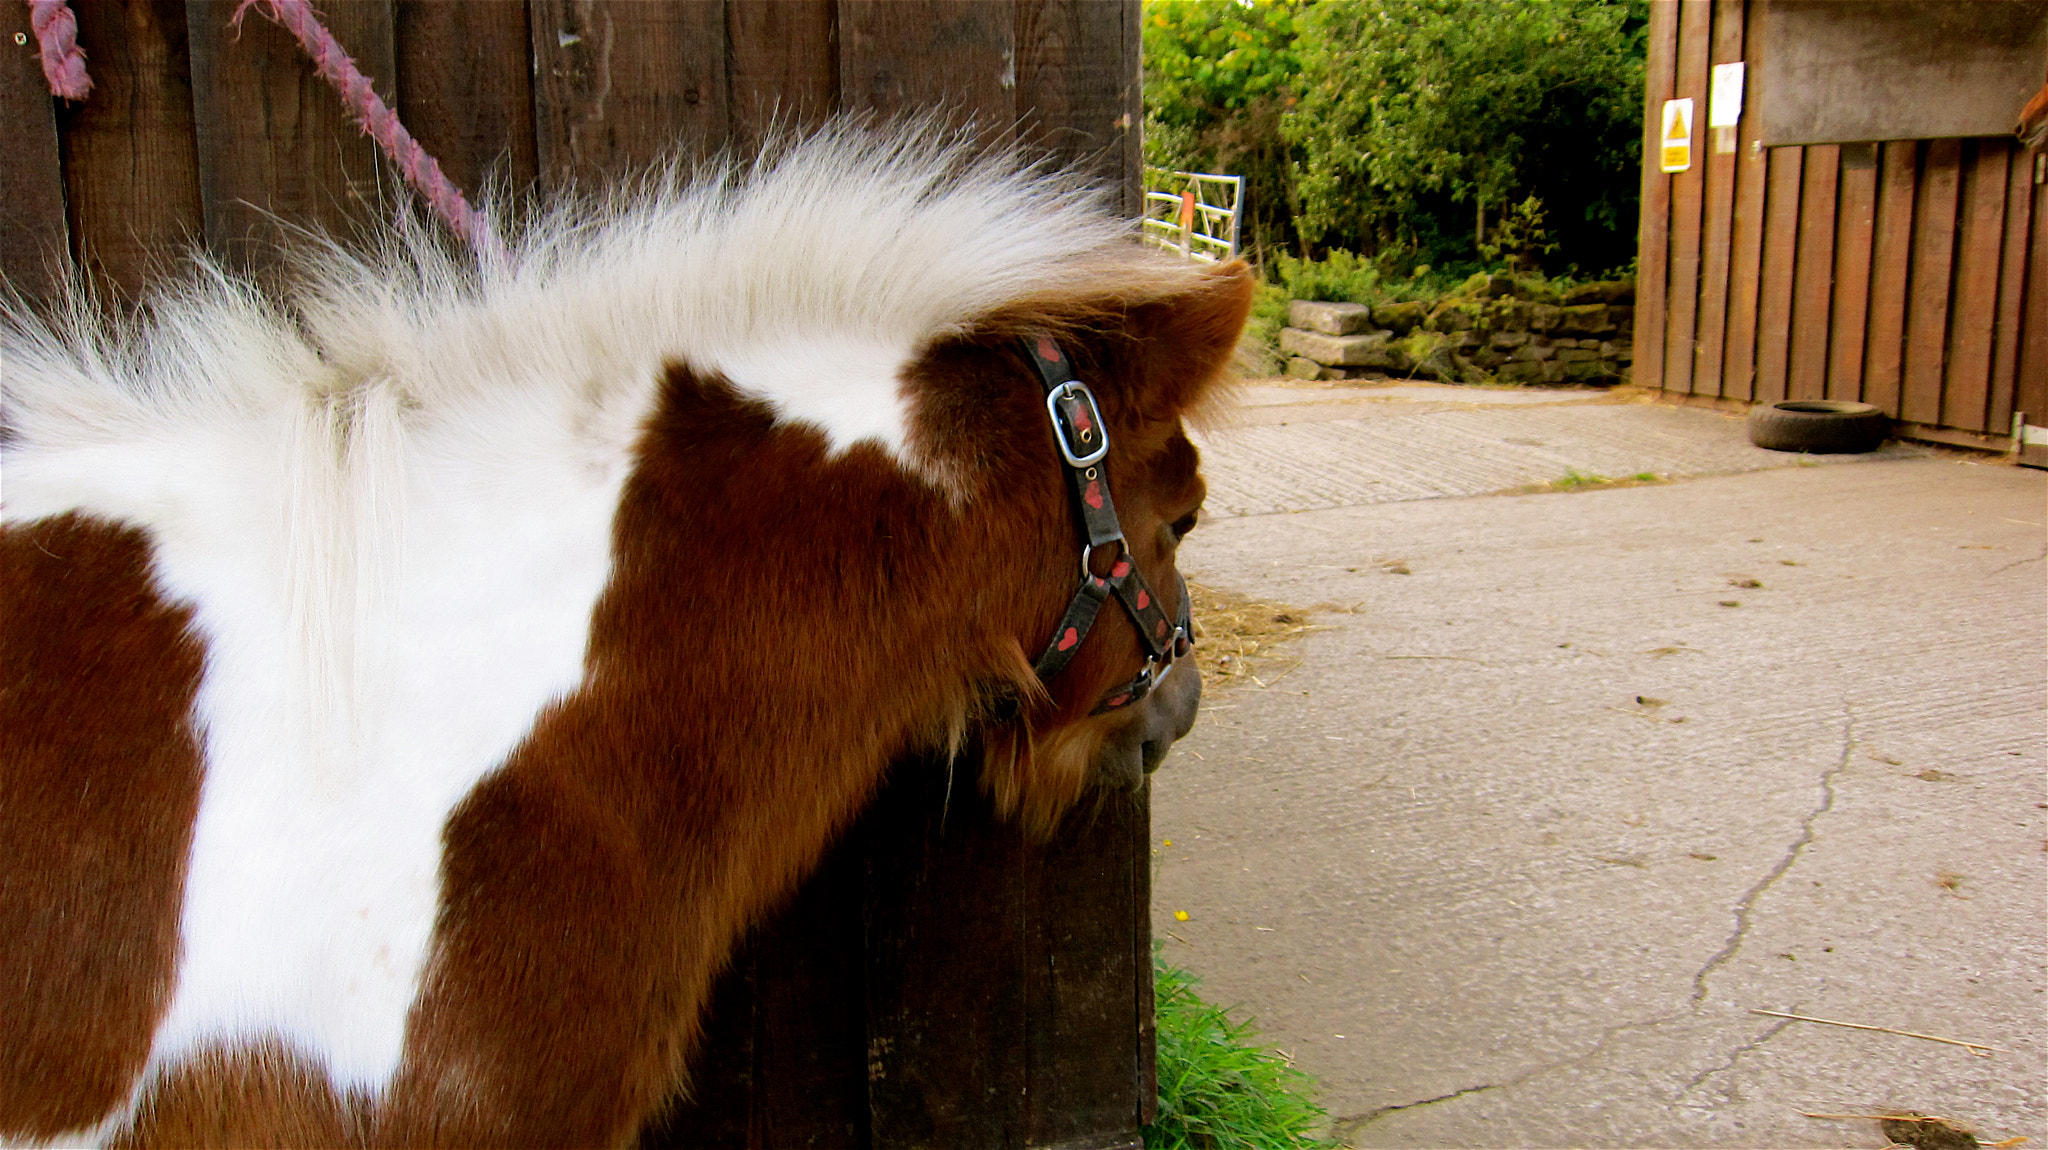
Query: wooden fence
{"points": [[942, 981], [1911, 274]]}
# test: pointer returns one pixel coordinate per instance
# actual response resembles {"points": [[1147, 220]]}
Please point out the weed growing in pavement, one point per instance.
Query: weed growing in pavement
{"points": [[1576, 480], [1219, 1089]]}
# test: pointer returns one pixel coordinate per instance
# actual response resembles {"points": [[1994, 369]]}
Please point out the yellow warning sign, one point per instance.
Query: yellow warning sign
{"points": [[1677, 150]]}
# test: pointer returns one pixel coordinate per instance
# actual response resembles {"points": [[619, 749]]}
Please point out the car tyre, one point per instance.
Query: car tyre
{"points": [[1818, 426]]}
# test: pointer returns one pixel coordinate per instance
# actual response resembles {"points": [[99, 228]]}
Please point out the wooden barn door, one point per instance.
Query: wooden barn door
{"points": [[942, 981], [1907, 273]]}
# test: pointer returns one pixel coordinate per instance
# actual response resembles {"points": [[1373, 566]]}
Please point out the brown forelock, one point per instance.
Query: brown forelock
{"points": [[258, 1094], [99, 786]]}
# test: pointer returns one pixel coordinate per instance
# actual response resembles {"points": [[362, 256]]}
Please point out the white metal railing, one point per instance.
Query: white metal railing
{"points": [[1193, 213]]}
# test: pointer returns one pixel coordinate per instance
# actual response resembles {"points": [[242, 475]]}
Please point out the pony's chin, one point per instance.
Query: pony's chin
{"points": [[1164, 716]]}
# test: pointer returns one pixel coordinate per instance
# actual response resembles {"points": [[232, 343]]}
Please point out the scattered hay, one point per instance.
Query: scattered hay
{"points": [[1235, 635]]}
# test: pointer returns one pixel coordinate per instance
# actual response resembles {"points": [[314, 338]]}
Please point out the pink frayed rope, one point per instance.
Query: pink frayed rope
{"points": [[57, 35], [378, 121]]}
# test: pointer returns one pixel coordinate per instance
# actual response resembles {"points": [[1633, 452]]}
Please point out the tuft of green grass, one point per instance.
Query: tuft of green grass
{"points": [[1218, 1088], [1259, 351], [1576, 480]]}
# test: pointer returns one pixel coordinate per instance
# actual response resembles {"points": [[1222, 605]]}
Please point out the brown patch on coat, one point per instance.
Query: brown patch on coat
{"points": [[261, 1095], [780, 625], [99, 786]]}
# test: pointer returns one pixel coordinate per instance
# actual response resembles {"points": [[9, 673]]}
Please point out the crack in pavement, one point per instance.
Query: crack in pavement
{"points": [[1734, 1057], [1748, 901], [2020, 563], [1343, 1128]]}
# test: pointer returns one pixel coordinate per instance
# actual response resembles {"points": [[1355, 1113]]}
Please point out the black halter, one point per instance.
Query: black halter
{"points": [[1083, 440]]}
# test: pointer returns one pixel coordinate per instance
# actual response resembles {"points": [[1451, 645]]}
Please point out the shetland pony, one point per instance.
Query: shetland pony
{"points": [[414, 679]]}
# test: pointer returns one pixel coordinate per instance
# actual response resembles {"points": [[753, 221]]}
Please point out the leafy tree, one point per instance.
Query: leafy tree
{"points": [[1217, 83], [1417, 119]]}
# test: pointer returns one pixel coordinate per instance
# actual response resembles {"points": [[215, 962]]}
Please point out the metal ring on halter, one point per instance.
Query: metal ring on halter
{"points": [[1088, 549]]}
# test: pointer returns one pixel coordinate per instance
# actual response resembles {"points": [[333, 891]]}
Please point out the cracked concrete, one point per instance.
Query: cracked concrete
{"points": [[1735, 1056], [1511, 855], [1742, 908], [1344, 1128]]}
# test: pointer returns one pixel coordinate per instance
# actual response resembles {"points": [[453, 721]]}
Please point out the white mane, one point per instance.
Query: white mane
{"points": [[807, 281], [387, 498]]}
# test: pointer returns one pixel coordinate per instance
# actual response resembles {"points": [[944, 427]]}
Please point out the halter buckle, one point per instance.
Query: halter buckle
{"points": [[1076, 416]]}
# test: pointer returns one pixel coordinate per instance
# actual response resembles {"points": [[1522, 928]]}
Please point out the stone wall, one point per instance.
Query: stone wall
{"points": [[1492, 330]]}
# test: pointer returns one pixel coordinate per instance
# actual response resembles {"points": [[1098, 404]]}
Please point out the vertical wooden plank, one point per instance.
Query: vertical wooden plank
{"points": [[34, 236], [1780, 251], [1855, 221], [1891, 264], [1081, 1038], [130, 170], [1927, 302], [1132, 104], [1071, 88], [1813, 275], [273, 137], [1687, 188], [1653, 240], [1712, 338], [1966, 382], [465, 89], [946, 970], [811, 1069], [1738, 370], [2012, 284], [957, 57], [2031, 390], [1139, 912], [620, 85], [783, 67]]}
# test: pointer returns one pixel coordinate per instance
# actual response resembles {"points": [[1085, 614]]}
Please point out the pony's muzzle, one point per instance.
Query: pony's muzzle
{"points": [[1138, 749]]}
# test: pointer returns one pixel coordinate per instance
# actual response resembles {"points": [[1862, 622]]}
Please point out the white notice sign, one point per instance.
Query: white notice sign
{"points": [[1724, 99], [1677, 150]]}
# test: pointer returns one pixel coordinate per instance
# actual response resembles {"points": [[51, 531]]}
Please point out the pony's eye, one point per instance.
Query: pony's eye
{"points": [[1186, 523]]}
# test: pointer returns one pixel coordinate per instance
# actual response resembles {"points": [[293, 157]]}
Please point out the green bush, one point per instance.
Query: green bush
{"points": [[1340, 277], [1391, 127], [1259, 346], [1415, 116], [1217, 76], [1343, 277], [1219, 1089]]}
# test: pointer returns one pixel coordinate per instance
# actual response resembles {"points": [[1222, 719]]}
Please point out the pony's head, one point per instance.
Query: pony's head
{"points": [[1090, 684]]}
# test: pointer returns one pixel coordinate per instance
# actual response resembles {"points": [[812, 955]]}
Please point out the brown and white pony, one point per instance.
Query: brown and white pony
{"points": [[413, 681]]}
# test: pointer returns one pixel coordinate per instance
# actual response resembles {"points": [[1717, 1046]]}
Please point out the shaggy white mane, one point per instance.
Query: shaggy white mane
{"points": [[807, 280]]}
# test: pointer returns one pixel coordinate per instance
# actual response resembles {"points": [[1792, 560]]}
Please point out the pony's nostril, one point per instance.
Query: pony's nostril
{"points": [[1155, 753]]}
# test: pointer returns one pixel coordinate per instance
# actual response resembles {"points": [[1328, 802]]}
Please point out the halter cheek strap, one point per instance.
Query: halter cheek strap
{"points": [[1083, 442]]}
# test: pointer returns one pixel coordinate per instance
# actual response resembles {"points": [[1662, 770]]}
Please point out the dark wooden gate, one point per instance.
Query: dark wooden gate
{"points": [[1908, 273], [942, 981]]}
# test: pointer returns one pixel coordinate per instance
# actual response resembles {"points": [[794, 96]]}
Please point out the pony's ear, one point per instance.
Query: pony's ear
{"points": [[1187, 341]]}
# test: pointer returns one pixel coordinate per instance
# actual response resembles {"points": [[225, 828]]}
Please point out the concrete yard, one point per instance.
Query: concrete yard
{"points": [[1511, 854]]}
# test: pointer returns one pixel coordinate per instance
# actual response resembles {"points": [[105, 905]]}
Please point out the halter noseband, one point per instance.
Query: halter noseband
{"points": [[1083, 441]]}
